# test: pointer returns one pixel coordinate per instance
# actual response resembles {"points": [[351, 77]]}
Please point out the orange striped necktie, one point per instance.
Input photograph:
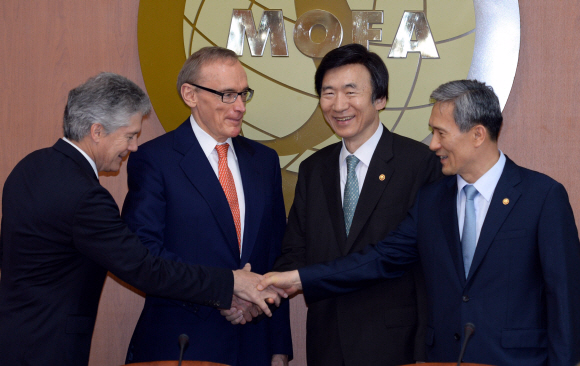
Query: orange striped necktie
{"points": [[227, 181]]}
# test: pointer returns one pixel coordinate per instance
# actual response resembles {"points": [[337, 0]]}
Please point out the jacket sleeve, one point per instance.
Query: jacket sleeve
{"points": [[279, 324], [294, 244], [145, 206], [100, 234], [560, 261], [387, 259]]}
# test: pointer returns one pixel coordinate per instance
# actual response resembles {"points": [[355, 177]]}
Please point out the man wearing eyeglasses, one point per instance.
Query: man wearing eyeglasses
{"points": [[202, 194]]}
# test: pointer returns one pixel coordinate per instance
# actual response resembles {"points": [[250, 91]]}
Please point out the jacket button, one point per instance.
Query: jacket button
{"points": [[456, 336], [465, 298]]}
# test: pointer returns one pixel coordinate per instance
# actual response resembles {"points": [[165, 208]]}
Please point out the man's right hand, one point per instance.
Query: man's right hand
{"points": [[289, 282], [245, 287]]}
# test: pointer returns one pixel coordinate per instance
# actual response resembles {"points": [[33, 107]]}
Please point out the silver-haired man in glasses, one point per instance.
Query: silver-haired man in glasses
{"points": [[202, 194]]}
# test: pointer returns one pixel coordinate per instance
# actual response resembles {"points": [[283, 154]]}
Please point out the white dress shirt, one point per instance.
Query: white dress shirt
{"points": [[85, 155], [208, 145], [364, 153], [485, 185]]}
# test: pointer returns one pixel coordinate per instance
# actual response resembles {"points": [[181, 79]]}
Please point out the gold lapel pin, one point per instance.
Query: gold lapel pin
{"points": [[506, 201], [381, 177]]}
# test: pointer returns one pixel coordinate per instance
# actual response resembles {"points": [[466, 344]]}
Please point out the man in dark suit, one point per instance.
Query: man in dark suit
{"points": [[383, 324], [497, 242], [183, 207], [61, 232]]}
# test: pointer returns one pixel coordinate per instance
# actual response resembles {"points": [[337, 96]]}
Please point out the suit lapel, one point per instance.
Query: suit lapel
{"points": [[253, 195], [330, 178], [198, 170], [373, 187], [448, 217], [497, 212]]}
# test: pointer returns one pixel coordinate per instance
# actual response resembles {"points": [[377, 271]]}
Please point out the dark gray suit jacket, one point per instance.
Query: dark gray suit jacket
{"points": [[383, 324]]}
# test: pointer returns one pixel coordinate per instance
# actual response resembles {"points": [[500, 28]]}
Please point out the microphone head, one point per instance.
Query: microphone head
{"points": [[469, 327], [183, 340]]}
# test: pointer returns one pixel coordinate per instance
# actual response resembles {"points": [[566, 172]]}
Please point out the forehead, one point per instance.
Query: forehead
{"points": [[352, 74], [223, 74], [442, 116]]}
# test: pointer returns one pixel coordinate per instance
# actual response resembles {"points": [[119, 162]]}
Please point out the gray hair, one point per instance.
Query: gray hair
{"points": [[474, 103], [190, 72], [108, 99]]}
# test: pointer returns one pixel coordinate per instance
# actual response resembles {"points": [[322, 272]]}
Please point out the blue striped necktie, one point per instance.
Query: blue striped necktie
{"points": [[468, 238]]}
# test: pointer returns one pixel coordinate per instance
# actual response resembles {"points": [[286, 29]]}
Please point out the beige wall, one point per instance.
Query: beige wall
{"points": [[48, 47]]}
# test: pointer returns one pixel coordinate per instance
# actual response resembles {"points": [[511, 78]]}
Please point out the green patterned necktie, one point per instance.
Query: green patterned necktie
{"points": [[350, 191]]}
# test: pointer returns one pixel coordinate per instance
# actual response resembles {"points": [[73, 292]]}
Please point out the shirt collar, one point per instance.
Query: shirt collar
{"points": [[85, 155], [207, 142], [365, 152], [486, 184]]}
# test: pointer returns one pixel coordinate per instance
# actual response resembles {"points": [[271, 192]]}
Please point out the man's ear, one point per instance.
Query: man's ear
{"points": [[188, 95], [479, 134], [380, 103], [97, 132]]}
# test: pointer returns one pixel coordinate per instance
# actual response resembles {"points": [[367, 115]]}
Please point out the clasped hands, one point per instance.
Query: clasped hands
{"points": [[253, 293]]}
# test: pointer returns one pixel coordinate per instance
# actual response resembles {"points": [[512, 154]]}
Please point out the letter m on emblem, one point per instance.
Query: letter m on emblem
{"points": [[272, 24]]}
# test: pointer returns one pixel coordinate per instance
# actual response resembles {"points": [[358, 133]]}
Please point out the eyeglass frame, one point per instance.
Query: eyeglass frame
{"points": [[221, 94]]}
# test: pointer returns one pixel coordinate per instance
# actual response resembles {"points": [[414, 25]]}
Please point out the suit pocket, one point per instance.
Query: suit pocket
{"points": [[400, 317], [524, 338], [78, 324], [512, 234]]}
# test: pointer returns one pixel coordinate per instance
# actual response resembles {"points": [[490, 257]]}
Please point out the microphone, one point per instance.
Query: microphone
{"points": [[183, 342], [469, 329]]}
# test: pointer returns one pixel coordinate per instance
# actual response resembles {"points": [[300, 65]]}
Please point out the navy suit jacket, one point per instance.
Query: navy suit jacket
{"points": [[177, 207], [523, 288], [61, 232]]}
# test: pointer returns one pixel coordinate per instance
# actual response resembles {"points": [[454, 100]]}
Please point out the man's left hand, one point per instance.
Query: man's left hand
{"points": [[241, 312]]}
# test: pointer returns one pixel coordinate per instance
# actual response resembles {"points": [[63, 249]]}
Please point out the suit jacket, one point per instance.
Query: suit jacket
{"points": [[178, 208], [523, 288], [385, 323], [61, 232]]}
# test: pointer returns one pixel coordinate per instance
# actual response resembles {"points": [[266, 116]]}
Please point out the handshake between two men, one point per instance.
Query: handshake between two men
{"points": [[253, 293]]}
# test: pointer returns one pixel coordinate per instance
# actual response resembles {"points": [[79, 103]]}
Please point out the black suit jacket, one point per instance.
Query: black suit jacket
{"points": [[61, 232], [383, 324]]}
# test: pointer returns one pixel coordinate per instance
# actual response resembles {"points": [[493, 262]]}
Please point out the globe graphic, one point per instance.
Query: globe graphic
{"points": [[284, 112]]}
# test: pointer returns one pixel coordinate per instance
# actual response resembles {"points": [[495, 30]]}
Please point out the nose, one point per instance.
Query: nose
{"points": [[133, 145], [435, 144], [340, 103], [239, 105]]}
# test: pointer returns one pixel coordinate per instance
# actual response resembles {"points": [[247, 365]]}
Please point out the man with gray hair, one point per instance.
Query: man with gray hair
{"points": [[497, 242], [61, 232], [201, 194]]}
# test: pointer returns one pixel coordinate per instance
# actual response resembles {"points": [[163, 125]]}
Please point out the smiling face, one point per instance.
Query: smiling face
{"points": [[346, 102], [456, 149], [112, 148], [220, 120]]}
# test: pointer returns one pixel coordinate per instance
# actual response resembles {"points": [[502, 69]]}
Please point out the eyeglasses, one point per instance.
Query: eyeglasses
{"points": [[229, 97]]}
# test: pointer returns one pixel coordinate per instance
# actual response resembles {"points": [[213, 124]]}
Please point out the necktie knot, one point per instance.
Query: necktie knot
{"points": [[351, 163], [470, 192], [222, 150]]}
